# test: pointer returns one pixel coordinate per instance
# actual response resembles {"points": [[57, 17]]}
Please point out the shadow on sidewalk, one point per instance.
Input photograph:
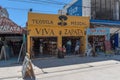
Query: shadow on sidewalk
{"points": [[9, 63], [55, 62]]}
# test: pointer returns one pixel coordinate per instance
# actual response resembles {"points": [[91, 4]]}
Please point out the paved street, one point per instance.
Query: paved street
{"points": [[72, 68], [106, 72]]}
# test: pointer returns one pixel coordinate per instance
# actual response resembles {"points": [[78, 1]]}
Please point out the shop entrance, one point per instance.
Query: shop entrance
{"points": [[10, 46], [71, 50], [98, 42], [44, 46]]}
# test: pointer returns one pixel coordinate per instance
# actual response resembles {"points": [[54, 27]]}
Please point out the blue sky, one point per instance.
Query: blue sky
{"points": [[18, 10]]}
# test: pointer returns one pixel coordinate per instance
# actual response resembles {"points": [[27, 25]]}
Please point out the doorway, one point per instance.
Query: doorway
{"points": [[72, 40], [44, 46], [98, 42]]}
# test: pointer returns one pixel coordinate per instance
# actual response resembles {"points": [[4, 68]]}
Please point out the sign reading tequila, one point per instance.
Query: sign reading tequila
{"points": [[39, 21], [50, 20]]}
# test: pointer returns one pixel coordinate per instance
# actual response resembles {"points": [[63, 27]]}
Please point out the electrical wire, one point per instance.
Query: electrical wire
{"points": [[43, 2], [48, 2], [17, 8], [31, 1], [36, 2], [26, 9]]}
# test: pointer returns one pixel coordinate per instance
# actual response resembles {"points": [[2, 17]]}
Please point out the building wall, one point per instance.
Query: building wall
{"points": [[78, 8], [105, 9], [86, 8], [96, 9], [64, 10], [75, 9]]}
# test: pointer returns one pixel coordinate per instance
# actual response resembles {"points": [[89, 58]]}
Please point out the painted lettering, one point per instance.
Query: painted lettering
{"points": [[9, 29], [40, 22], [80, 32], [93, 30], [77, 23], [73, 32], [38, 30], [66, 31], [45, 31]]}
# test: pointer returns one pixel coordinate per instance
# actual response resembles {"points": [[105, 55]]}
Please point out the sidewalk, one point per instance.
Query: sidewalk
{"points": [[71, 63], [70, 60], [53, 66]]}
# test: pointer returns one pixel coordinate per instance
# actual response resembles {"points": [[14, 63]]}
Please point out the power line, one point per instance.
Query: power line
{"points": [[17, 8], [48, 2], [25, 9], [51, 1], [36, 2]]}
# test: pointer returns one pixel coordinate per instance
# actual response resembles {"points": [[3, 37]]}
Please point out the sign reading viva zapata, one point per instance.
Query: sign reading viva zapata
{"points": [[48, 31]]}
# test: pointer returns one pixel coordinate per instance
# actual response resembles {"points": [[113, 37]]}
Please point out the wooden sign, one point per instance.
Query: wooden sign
{"points": [[52, 20], [27, 69]]}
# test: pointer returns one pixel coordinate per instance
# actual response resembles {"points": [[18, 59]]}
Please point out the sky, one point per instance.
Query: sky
{"points": [[18, 9]]}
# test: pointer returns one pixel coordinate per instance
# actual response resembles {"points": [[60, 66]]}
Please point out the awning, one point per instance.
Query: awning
{"points": [[105, 22], [7, 26]]}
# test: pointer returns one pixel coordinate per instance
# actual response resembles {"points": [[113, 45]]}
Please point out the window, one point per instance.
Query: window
{"points": [[104, 9]]}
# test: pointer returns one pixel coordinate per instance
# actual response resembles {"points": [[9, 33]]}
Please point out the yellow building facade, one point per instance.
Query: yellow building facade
{"points": [[58, 26]]}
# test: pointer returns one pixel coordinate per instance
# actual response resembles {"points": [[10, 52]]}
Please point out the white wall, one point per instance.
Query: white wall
{"points": [[86, 9]]}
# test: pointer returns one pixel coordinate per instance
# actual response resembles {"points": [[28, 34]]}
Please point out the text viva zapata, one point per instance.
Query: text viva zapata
{"points": [[45, 31]]}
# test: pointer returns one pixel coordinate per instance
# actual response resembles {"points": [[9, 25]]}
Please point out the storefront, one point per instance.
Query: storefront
{"points": [[98, 38], [47, 32], [10, 38]]}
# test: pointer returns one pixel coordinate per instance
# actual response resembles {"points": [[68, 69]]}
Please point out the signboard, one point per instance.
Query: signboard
{"points": [[7, 26], [62, 31], [75, 10], [72, 32], [24, 68], [27, 68], [99, 31], [50, 20]]}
